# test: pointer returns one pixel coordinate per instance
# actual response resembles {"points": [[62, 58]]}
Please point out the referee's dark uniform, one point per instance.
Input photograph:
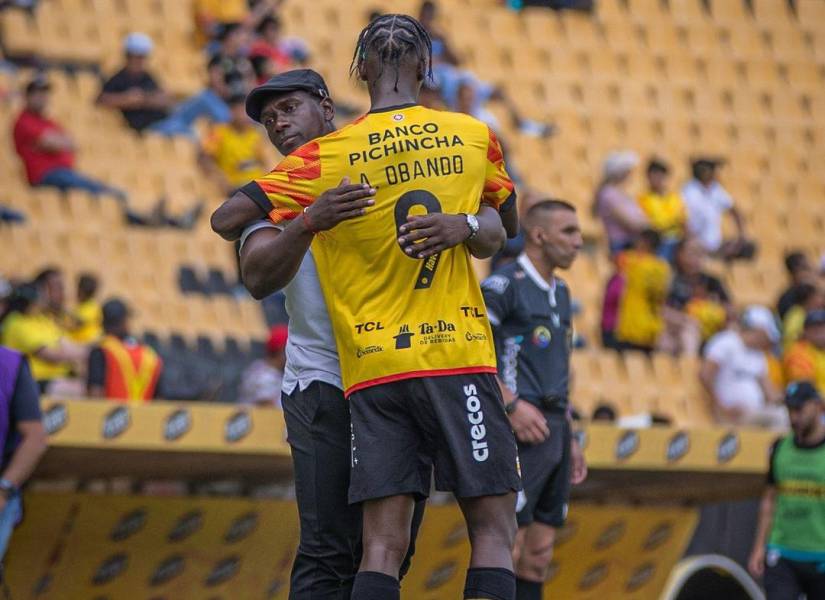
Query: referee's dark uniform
{"points": [[532, 327]]}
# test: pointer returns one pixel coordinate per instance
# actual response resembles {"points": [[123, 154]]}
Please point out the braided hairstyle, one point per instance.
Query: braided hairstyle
{"points": [[393, 37]]}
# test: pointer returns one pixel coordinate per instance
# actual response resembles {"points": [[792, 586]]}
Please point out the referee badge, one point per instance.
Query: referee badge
{"points": [[542, 337]]}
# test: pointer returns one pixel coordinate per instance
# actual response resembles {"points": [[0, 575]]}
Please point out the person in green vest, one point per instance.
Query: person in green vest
{"points": [[789, 549]]}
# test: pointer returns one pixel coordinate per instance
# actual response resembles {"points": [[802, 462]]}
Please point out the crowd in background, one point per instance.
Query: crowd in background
{"points": [[665, 243]]}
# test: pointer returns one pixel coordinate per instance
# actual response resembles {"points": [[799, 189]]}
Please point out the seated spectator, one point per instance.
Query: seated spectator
{"points": [[270, 45], [622, 218], [235, 153], [735, 373], [610, 309], [88, 314], [121, 368], [232, 56], [212, 15], [696, 293], [811, 298], [208, 104], [261, 381], [664, 209], [427, 16], [646, 277], [801, 273], [707, 202], [27, 328], [22, 439], [47, 150], [805, 358], [133, 90]]}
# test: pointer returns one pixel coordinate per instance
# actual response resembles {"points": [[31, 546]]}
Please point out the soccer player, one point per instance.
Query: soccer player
{"points": [[789, 549], [529, 307], [414, 344], [315, 409]]}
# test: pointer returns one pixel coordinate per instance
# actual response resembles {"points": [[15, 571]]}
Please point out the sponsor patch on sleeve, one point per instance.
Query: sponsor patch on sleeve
{"points": [[496, 283]]}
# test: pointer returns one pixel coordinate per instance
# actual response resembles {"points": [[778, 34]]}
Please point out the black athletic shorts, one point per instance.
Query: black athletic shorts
{"points": [[545, 474], [456, 423]]}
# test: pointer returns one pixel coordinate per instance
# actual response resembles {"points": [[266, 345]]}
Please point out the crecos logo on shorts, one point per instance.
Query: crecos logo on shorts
{"points": [[476, 418]]}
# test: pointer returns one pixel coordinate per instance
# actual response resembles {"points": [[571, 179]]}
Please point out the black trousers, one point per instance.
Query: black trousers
{"points": [[789, 579], [329, 551]]}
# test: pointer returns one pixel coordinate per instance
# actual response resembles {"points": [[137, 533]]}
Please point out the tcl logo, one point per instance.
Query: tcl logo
{"points": [[476, 418], [368, 326]]}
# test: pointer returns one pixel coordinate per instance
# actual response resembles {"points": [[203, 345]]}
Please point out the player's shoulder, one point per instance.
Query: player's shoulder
{"points": [[462, 120], [503, 278]]}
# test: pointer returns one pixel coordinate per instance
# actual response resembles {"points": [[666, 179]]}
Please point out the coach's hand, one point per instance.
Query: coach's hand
{"points": [[579, 463], [347, 201], [529, 423], [425, 235]]}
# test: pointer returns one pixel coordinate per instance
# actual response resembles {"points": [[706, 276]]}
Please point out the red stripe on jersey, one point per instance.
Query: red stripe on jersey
{"points": [[417, 375]]}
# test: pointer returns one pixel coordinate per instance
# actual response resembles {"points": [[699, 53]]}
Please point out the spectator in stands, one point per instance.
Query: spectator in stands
{"points": [[623, 219], [801, 272], [27, 328], [47, 150], [270, 45], [88, 314], [664, 209], [610, 307], [22, 438], [734, 371], [811, 298], [805, 358], [696, 293], [261, 381], [235, 153], [789, 546], [427, 16], [646, 277], [212, 15], [121, 368], [233, 58], [707, 202], [133, 90], [207, 104]]}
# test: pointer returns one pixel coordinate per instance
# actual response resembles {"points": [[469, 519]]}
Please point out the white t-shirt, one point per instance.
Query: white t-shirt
{"points": [[740, 371], [705, 208]]}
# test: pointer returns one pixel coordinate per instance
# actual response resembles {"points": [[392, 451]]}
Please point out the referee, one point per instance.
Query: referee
{"points": [[529, 308]]}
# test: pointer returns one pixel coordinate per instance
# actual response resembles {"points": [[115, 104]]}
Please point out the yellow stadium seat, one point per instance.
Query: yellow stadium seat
{"points": [[730, 11], [811, 14], [688, 11]]}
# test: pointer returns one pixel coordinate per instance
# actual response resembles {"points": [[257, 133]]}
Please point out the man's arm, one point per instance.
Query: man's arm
{"points": [[53, 141], [96, 374], [231, 217], [738, 221], [425, 235], [756, 562], [25, 408], [271, 257]]}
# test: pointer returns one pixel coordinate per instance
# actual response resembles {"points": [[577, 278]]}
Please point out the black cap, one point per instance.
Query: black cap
{"points": [[814, 318], [114, 312], [800, 392], [707, 162], [305, 80], [38, 84]]}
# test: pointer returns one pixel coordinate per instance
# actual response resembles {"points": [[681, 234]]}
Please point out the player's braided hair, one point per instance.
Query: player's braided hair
{"points": [[392, 37]]}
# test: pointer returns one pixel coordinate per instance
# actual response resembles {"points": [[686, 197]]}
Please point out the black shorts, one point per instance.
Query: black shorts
{"points": [[545, 474], [456, 423]]}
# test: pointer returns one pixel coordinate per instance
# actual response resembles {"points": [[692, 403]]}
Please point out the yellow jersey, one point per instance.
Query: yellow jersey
{"points": [[666, 213], [29, 333], [239, 154], [397, 317], [89, 316], [640, 308]]}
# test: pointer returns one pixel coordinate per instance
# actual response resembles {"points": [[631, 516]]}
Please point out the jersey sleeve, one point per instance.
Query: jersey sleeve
{"points": [[498, 298], [499, 190], [292, 186]]}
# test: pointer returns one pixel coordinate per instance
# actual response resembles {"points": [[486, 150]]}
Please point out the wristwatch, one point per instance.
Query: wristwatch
{"points": [[8, 489], [472, 223], [510, 407]]}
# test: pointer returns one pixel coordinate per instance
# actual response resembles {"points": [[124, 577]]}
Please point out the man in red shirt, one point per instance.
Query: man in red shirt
{"points": [[48, 154], [47, 150]]}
